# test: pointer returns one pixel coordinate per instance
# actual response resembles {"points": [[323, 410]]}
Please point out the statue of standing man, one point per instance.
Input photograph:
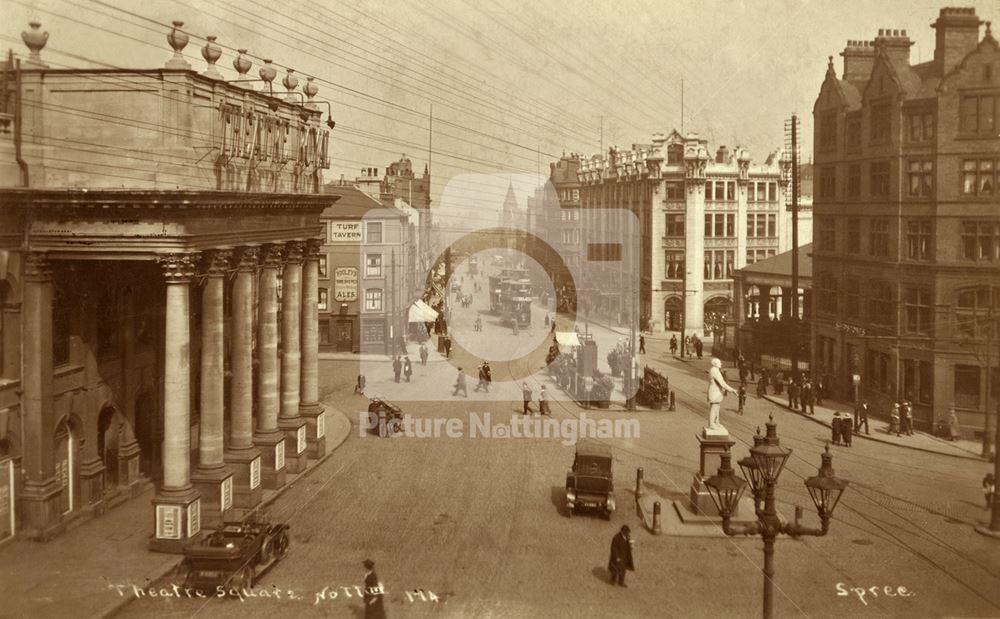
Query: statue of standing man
{"points": [[717, 388]]}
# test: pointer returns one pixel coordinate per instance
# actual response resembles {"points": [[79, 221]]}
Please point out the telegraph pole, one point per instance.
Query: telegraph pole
{"points": [[795, 246]]}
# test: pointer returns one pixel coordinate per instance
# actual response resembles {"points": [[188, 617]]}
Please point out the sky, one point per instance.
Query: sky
{"points": [[511, 84]]}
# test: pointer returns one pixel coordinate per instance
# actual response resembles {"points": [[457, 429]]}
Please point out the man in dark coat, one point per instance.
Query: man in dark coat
{"points": [[374, 608], [621, 556], [642, 345], [407, 368], [397, 367]]}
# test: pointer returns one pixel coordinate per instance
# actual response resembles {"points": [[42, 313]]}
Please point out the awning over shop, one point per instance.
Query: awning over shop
{"points": [[421, 312], [567, 338]]}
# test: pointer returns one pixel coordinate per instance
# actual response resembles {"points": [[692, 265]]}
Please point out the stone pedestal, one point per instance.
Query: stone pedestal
{"points": [[711, 447], [315, 419], [272, 459], [128, 466], [92, 484], [176, 520], [248, 489], [40, 508], [296, 444], [216, 489]]}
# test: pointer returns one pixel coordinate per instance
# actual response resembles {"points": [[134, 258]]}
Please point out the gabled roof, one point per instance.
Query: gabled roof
{"points": [[781, 265], [352, 203]]}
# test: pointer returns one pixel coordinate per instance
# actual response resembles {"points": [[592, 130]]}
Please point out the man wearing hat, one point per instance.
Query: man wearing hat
{"points": [[373, 593], [621, 556]]}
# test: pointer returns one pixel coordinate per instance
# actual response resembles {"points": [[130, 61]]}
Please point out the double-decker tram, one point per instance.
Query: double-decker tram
{"points": [[510, 296]]}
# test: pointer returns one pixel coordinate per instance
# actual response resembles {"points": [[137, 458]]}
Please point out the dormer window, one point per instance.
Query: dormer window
{"points": [[675, 153]]}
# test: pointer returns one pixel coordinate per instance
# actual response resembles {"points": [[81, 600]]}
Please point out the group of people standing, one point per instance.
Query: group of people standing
{"points": [[403, 367], [692, 343]]}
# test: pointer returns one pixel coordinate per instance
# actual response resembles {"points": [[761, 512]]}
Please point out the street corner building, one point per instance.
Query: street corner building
{"points": [[700, 218], [906, 251], [159, 240]]}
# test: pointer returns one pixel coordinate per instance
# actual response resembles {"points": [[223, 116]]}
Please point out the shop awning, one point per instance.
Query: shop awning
{"points": [[421, 312], [567, 338]]}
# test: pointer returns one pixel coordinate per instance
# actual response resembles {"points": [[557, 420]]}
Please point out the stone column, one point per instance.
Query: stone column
{"points": [[267, 437], [177, 503], [243, 459], [309, 407], [291, 358], [212, 478], [41, 490], [694, 257]]}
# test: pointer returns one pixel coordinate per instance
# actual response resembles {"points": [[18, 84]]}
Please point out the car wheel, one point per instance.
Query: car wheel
{"points": [[281, 545]]}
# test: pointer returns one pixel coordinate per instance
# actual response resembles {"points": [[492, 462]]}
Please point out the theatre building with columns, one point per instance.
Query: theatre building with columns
{"points": [[159, 239]]}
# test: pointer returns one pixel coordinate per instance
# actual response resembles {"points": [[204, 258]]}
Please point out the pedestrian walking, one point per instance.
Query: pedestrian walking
{"points": [[753, 370], [543, 402], [642, 345], [397, 367], [621, 556], [741, 398], [894, 419], [447, 348], [954, 429], [835, 428], [793, 393], [407, 368], [862, 418], [698, 347], [359, 387], [989, 487], [546, 321], [846, 434], [761, 389], [673, 345], [460, 384], [906, 415], [762, 381], [483, 384], [526, 396], [423, 354], [374, 606], [808, 398]]}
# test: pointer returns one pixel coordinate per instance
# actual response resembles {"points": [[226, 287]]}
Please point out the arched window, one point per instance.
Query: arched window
{"points": [[881, 310]]}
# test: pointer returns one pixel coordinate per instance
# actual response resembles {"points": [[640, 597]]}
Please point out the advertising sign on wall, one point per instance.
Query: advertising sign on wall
{"points": [[345, 284], [345, 232]]}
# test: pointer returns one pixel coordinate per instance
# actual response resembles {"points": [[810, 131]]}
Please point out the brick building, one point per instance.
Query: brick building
{"points": [[906, 253]]}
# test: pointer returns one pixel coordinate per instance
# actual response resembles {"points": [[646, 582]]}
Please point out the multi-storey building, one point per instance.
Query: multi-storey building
{"points": [[554, 216], [906, 258], [699, 219], [365, 285], [158, 272]]}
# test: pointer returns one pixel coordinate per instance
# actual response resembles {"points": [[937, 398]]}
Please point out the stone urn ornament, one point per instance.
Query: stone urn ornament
{"points": [[211, 53], [267, 73], [310, 89], [242, 64], [178, 40], [35, 40], [290, 82]]}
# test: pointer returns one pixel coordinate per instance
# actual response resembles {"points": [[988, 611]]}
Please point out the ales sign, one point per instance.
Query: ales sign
{"points": [[345, 287]]}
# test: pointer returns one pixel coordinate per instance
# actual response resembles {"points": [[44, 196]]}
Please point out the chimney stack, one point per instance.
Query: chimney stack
{"points": [[896, 45], [722, 155], [859, 58], [957, 35]]}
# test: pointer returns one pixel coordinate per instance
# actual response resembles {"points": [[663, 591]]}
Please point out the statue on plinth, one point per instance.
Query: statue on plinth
{"points": [[717, 388]]}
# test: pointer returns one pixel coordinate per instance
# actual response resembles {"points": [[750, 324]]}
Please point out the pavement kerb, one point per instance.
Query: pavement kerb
{"points": [[870, 437], [339, 438]]}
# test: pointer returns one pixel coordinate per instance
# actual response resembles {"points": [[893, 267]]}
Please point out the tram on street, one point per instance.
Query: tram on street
{"points": [[510, 296]]}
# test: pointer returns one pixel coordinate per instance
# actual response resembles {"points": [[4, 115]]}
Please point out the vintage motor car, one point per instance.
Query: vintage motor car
{"points": [[235, 555], [384, 417], [590, 484]]}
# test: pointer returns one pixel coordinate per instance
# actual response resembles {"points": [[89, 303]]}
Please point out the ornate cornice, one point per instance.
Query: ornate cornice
{"points": [[177, 268]]}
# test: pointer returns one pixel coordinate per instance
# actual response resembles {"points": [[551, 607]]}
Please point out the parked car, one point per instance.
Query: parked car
{"points": [[235, 555], [590, 484], [384, 417]]}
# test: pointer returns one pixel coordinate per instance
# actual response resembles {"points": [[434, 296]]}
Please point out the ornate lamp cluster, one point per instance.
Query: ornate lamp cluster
{"points": [[762, 468], [211, 52]]}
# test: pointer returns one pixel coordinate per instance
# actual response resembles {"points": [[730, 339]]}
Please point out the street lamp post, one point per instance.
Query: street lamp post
{"points": [[767, 460]]}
